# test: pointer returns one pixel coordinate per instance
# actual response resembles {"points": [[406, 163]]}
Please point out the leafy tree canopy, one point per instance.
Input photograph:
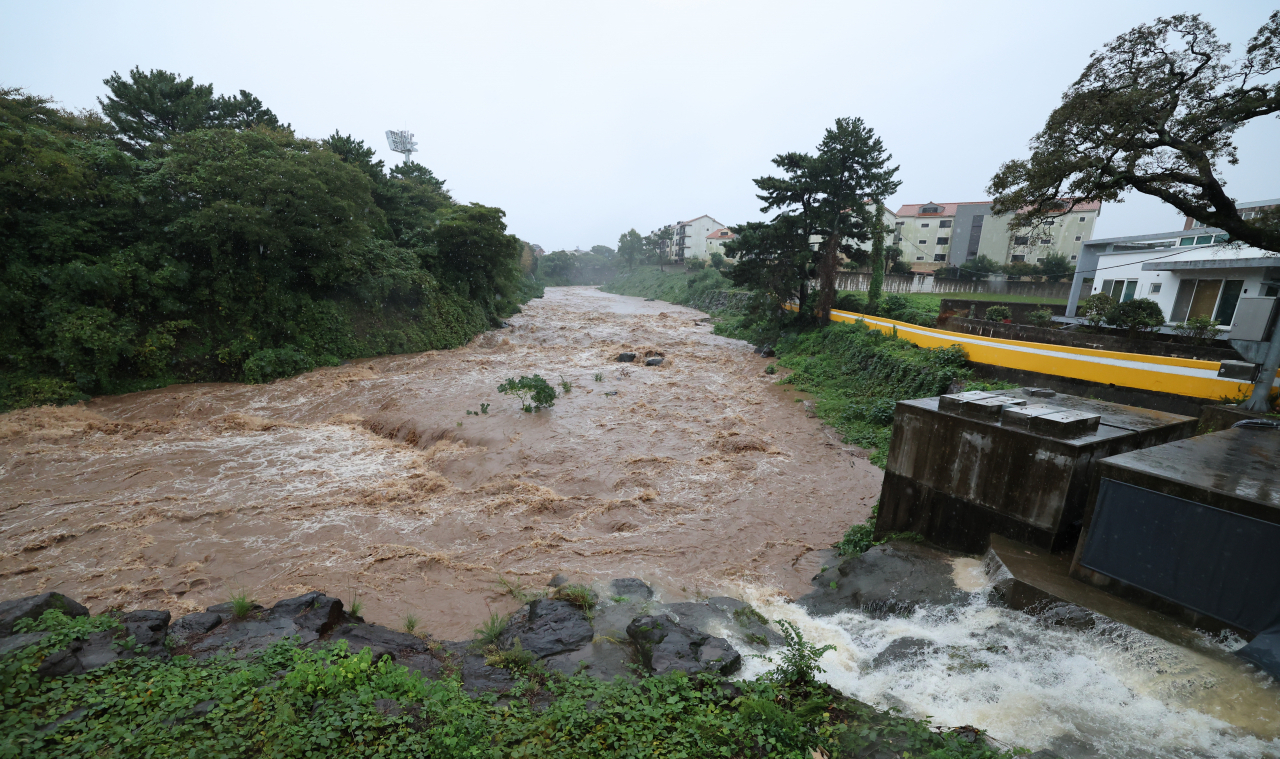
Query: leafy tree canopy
{"points": [[1155, 111], [157, 106], [630, 247]]}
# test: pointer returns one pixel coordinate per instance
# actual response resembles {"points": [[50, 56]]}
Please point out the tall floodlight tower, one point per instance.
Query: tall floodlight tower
{"points": [[402, 142]]}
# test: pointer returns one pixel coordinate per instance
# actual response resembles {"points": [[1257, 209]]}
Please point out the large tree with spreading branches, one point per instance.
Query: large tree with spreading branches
{"points": [[1155, 111]]}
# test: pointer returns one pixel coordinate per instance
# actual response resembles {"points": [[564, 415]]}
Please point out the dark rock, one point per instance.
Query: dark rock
{"points": [[307, 616], [226, 610], [666, 646], [12, 643], [312, 612], [902, 649], [893, 578], [31, 607], [767, 351], [382, 641], [631, 587], [1067, 615], [757, 350], [70, 716], [557, 581], [647, 300], [477, 676], [626, 358], [387, 707], [204, 707], [194, 624], [98, 650], [655, 361], [551, 627], [1044, 753], [147, 627]]}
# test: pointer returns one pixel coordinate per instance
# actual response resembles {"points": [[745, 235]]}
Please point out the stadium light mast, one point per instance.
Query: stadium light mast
{"points": [[402, 142]]}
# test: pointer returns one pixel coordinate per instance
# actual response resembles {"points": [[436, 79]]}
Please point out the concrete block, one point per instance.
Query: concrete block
{"points": [[1066, 425], [952, 403], [989, 408], [957, 479], [1021, 416]]}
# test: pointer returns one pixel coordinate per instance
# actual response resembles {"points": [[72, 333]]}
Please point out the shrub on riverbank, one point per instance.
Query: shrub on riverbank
{"points": [[291, 701], [674, 285], [224, 250]]}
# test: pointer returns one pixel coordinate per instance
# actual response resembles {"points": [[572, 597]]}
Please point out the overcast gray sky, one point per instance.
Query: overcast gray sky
{"points": [[583, 120]]}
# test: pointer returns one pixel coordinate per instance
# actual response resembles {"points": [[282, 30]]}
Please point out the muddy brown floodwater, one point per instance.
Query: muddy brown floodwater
{"points": [[698, 475]]}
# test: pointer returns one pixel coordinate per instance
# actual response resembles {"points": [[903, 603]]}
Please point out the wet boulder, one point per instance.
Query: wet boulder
{"points": [[148, 628], [307, 617], [100, 649], [401, 647], [626, 358], [550, 627], [902, 650], [631, 588], [195, 624], [767, 351], [31, 607], [666, 646], [655, 361], [888, 579]]}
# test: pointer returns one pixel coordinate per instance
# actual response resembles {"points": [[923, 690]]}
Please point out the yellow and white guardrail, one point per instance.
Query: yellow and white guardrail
{"points": [[1179, 376]]}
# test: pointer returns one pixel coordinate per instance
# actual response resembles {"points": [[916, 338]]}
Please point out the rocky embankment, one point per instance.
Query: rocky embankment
{"points": [[569, 636]]}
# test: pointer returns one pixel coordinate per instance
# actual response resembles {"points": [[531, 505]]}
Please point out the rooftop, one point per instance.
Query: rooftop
{"points": [[949, 209]]}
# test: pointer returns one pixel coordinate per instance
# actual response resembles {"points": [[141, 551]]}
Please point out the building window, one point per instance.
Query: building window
{"points": [[1187, 241], [1049, 223], [944, 224], [1077, 238], [1204, 239], [931, 209], [1040, 260], [1081, 219], [1017, 259], [1046, 241], [1021, 240], [944, 240], [1155, 288], [922, 242], [939, 256], [1073, 258], [919, 258], [924, 225]]}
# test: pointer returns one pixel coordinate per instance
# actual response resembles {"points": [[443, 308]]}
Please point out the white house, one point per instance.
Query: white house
{"points": [[717, 239], [1188, 274], [690, 237]]}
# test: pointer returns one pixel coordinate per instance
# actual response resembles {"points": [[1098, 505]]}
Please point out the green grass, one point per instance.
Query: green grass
{"points": [[329, 702], [241, 605], [674, 285], [488, 633]]}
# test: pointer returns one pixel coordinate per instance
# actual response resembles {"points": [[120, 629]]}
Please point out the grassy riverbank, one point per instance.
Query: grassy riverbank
{"points": [[290, 701], [672, 284]]}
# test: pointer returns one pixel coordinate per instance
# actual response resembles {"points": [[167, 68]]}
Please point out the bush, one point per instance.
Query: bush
{"points": [[1138, 315], [20, 392], [274, 363], [799, 658], [1095, 308], [717, 260], [696, 264], [998, 313], [852, 302], [1199, 329], [1040, 318], [534, 392]]}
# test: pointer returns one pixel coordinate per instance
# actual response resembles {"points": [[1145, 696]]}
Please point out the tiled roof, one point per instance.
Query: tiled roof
{"points": [[721, 234]]}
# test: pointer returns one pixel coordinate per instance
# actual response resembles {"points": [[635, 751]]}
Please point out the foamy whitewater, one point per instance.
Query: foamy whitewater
{"points": [[1111, 692]]}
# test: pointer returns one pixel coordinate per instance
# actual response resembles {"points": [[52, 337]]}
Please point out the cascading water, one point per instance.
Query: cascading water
{"points": [[1111, 691]]}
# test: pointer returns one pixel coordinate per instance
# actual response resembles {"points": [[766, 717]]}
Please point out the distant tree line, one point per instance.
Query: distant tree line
{"points": [[179, 236]]}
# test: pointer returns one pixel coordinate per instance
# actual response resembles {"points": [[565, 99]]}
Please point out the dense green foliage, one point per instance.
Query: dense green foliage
{"points": [[1137, 315], [861, 537], [225, 248], [673, 285], [330, 702], [904, 308]]}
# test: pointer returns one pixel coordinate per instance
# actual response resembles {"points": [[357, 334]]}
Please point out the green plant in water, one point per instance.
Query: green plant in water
{"points": [[242, 605], [619, 599], [356, 606], [516, 589], [799, 657], [410, 623], [747, 614], [515, 659], [534, 392], [771, 369], [861, 537], [484, 408], [565, 385], [598, 376], [578, 595], [757, 639], [488, 633]]}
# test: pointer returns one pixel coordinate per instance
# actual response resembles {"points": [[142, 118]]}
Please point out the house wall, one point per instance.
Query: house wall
{"points": [[694, 233]]}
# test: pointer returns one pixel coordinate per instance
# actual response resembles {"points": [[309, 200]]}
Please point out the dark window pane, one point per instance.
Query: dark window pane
{"points": [[1021, 240], [944, 240], [1228, 300]]}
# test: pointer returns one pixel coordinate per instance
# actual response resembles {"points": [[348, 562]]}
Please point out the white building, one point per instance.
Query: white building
{"points": [[1188, 275], [717, 239], [689, 238]]}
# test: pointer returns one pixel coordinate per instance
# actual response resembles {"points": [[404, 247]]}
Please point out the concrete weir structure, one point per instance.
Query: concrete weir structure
{"points": [[1017, 463], [1190, 529]]}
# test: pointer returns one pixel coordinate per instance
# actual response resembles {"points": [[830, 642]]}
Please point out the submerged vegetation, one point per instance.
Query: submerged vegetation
{"points": [[188, 237], [333, 702]]}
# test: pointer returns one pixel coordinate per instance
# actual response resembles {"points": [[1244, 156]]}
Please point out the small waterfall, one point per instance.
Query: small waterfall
{"points": [[1111, 691]]}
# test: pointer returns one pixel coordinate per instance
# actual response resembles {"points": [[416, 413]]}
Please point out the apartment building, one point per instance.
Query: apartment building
{"points": [[1247, 211], [689, 238], [933, 235]]}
